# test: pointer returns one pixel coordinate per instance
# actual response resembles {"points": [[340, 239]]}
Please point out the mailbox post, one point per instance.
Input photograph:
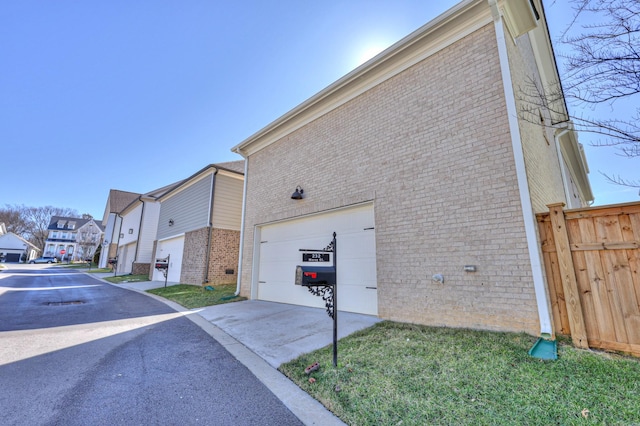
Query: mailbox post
{"points": [[162, 265], [114, 263], [322, 281]]}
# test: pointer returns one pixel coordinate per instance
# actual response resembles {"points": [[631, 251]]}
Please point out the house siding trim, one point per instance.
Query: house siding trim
{"points": [[452, 26], [531, 233]]}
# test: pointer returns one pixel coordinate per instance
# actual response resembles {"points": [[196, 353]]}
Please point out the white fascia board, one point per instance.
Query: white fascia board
{"points": [[573, 153], [548, 69], [453, 25], [233, 175]]}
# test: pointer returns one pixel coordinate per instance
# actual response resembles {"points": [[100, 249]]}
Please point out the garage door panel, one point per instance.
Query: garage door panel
{"points": [[280, 253], [174, 248], [357, 245], [357, 298], [357, 272]]}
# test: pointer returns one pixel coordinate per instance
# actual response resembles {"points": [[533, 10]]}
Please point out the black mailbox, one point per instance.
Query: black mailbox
{"points": [[315, 275], [113, 261], [162, 264]]}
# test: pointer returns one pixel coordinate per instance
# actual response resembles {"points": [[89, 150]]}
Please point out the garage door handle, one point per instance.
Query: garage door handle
{"points": [[371, 288]]}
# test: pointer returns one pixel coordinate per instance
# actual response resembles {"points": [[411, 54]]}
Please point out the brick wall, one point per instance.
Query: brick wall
{"points": [[431, 147], [138, 268], [538, 143], [225, 245], [194, 257]]}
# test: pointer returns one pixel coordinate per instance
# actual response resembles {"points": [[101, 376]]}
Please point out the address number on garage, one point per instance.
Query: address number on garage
{"points": [[315, 257]]}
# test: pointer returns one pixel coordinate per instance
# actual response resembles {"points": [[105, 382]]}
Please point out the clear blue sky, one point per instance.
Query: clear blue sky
{"points": [[134, 95]]}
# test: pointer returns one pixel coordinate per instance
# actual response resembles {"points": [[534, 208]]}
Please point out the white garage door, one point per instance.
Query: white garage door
{"points": [[174, 248], [280, 253]]}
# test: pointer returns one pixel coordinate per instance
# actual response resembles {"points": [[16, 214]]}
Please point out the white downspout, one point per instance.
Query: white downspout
{"points": [[567, 192], [521, 173], [244, 206]]}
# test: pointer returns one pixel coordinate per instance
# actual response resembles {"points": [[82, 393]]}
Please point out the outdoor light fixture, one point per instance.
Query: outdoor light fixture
{"points": [[170, 222], [297, 195], [131, 230]]}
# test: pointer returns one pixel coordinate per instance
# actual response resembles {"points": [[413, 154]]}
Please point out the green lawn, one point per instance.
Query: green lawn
{"points": [[394, 374], [127, 278], [191, 296]]}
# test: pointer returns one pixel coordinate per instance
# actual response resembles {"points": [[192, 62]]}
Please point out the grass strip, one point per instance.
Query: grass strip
{"points": [[191, 296], [127, 279], [393, 373]]}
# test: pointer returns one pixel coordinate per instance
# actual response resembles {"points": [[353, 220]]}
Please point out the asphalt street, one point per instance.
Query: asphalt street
{"points": [[77, 351]]}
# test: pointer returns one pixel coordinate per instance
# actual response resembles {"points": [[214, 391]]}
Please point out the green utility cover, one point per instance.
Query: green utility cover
{"points": [[209, 288], [544, 349]]}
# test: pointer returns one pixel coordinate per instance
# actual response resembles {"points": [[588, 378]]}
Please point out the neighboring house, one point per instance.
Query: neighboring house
{"points": [[137, 235], [14, 248], [111, 223], [420, 162], [64, 234], [199, 226], [88, 239]]}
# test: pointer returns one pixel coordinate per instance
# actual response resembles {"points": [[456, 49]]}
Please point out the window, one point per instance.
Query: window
{"points": [[71, 225]]}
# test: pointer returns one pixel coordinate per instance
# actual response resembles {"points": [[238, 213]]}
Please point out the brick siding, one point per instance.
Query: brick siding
{"points": [[431, 148], [194, 257], [225, 246]]}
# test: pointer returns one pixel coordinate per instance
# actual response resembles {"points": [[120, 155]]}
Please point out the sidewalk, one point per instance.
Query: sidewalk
{"points": [[262, 335]]}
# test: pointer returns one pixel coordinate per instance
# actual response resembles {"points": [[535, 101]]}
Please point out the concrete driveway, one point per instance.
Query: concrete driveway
{"points": [[279, 332], [276, 332]]}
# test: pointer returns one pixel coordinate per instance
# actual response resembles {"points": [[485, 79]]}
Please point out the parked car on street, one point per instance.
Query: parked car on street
{"points": [[44, 260]]}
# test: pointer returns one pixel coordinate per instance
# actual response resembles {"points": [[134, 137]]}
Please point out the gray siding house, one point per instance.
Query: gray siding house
{"points": [[199, 226]]}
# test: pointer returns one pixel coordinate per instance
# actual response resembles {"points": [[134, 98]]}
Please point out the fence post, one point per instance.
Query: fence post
{"points": [[568, 276]]}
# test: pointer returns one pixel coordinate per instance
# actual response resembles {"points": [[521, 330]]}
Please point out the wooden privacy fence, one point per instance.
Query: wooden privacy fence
{"points": [[592, 263]]}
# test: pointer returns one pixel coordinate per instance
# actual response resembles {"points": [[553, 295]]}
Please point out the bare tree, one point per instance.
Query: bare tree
{"points": [[31, 223], [602, 68], [13, 219]]}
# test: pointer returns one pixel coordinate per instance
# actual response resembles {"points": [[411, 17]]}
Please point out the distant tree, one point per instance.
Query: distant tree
{"points": [[13, 219], [602, 68], [31, 223], [86, 216]]}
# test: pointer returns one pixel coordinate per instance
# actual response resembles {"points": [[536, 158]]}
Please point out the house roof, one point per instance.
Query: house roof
{"points": [[69, 223], [234, 167], [118, 200], [10, 235]]}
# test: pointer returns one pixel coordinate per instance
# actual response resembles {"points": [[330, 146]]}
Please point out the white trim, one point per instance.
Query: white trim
{"points": [[255, 267], [171, 237], [242, 223], [445, 30], [563, 173], [525, 197]]}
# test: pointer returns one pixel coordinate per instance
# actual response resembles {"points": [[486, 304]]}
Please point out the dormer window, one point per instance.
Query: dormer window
{"points": [[71, 225], [60, 224]]}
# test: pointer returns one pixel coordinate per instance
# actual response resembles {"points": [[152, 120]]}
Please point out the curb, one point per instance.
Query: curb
{"points": [[307, 409]]}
